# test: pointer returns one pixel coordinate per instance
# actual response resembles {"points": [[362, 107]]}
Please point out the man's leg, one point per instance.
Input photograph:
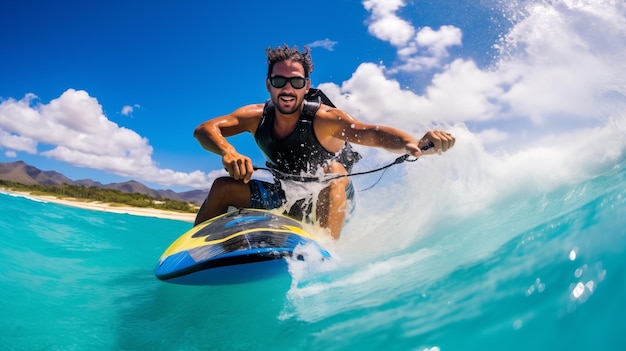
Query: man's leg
{"points": [[224, 192], [332, 201]]}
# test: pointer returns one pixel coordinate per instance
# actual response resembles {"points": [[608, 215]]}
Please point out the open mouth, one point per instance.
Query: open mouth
{"points": [[287, 98]]}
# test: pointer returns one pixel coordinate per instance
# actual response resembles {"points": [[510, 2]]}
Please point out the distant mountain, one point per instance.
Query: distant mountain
{"points": [[21, 172], [195, 196]]}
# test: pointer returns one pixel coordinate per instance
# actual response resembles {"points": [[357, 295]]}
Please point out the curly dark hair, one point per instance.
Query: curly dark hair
{"points": [[283, 53]]}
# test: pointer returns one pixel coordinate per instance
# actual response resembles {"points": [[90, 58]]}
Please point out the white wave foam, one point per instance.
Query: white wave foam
{"points": [[22, 196], [555, 117]]}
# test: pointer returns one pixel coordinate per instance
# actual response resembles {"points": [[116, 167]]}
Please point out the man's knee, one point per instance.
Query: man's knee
{"points": [[236, 192], [229, 183], [339, 184], [335, 167], [220, 186]]}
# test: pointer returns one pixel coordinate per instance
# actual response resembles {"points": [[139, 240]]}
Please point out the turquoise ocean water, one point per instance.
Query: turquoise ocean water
{"points": [[542, 273], [520, 246]]}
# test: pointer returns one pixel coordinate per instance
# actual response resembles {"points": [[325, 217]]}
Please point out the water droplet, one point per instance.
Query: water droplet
{"points": [[578, 272], [573, 254], [579, 289]]}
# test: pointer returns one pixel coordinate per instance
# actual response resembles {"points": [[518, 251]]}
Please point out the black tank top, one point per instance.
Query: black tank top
{"points": [[300, 151]]}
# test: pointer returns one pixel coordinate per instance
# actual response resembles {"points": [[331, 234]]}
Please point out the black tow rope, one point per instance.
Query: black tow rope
{"points": [[299, 178]]}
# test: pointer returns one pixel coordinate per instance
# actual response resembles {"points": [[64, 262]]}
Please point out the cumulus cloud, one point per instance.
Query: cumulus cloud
{"points": [[72, 128], [325, 44], [416, 52], [429, 49], [384, 24], [553, 73], [17, 142]]}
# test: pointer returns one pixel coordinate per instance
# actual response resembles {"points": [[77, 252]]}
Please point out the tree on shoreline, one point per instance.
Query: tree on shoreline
{"points": [[102, 195]]}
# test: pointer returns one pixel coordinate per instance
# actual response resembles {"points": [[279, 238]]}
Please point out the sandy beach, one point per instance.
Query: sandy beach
{"points": [[106, 207]]}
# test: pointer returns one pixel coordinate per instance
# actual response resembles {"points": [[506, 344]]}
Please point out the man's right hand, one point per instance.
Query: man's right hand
{"points": [[238, 166]]}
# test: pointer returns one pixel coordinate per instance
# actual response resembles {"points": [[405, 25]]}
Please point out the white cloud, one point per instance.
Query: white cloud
{"points": [[80, 134], [385, 24], [554, 71], [128, 110], [325, 44], [461, 93], [424, 50], [17, 142], [438, 40], [361, 96]]}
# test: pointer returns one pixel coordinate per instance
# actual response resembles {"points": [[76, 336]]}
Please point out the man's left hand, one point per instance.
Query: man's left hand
{"points": [[434, 141]]}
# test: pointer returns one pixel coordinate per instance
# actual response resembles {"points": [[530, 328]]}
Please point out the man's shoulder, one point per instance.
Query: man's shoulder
{"points": [[330, 113], [250, 111]]}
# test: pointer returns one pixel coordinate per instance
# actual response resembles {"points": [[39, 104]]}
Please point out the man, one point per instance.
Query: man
{"points": [[297, 137]]}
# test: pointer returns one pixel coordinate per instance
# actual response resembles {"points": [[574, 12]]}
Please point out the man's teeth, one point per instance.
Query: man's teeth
{"points": [[287, 98]]}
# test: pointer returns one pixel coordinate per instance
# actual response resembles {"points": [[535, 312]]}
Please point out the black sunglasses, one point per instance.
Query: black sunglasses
{"points": [[280, 81]]}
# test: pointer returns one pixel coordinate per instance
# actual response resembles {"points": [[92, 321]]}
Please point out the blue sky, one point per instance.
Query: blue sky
{"points": [[112, 90]]}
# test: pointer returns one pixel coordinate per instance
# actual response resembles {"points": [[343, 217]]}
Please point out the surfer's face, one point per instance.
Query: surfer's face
{"points": [[287, 99]]}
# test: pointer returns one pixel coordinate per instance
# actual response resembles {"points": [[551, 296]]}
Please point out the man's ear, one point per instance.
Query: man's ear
{"points": [[267, 84]]}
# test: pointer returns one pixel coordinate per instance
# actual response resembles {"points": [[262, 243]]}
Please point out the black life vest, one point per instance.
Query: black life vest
{"points": [[300, 151]]}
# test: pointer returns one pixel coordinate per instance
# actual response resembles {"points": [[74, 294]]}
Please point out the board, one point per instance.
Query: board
{"points": [[236, 247]]}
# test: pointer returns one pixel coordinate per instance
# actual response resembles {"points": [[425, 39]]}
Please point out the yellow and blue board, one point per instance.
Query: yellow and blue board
{"points": [[239, 246]]}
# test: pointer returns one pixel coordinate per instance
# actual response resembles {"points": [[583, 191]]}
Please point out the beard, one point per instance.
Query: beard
{"points": [[292, 110]]}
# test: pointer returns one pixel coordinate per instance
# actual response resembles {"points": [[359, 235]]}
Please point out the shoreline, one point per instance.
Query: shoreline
{"points": [[106, 207]]}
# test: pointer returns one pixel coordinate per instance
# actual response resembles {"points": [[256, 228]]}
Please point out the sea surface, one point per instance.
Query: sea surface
{"points": [[542, 272], [519, 245]]}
